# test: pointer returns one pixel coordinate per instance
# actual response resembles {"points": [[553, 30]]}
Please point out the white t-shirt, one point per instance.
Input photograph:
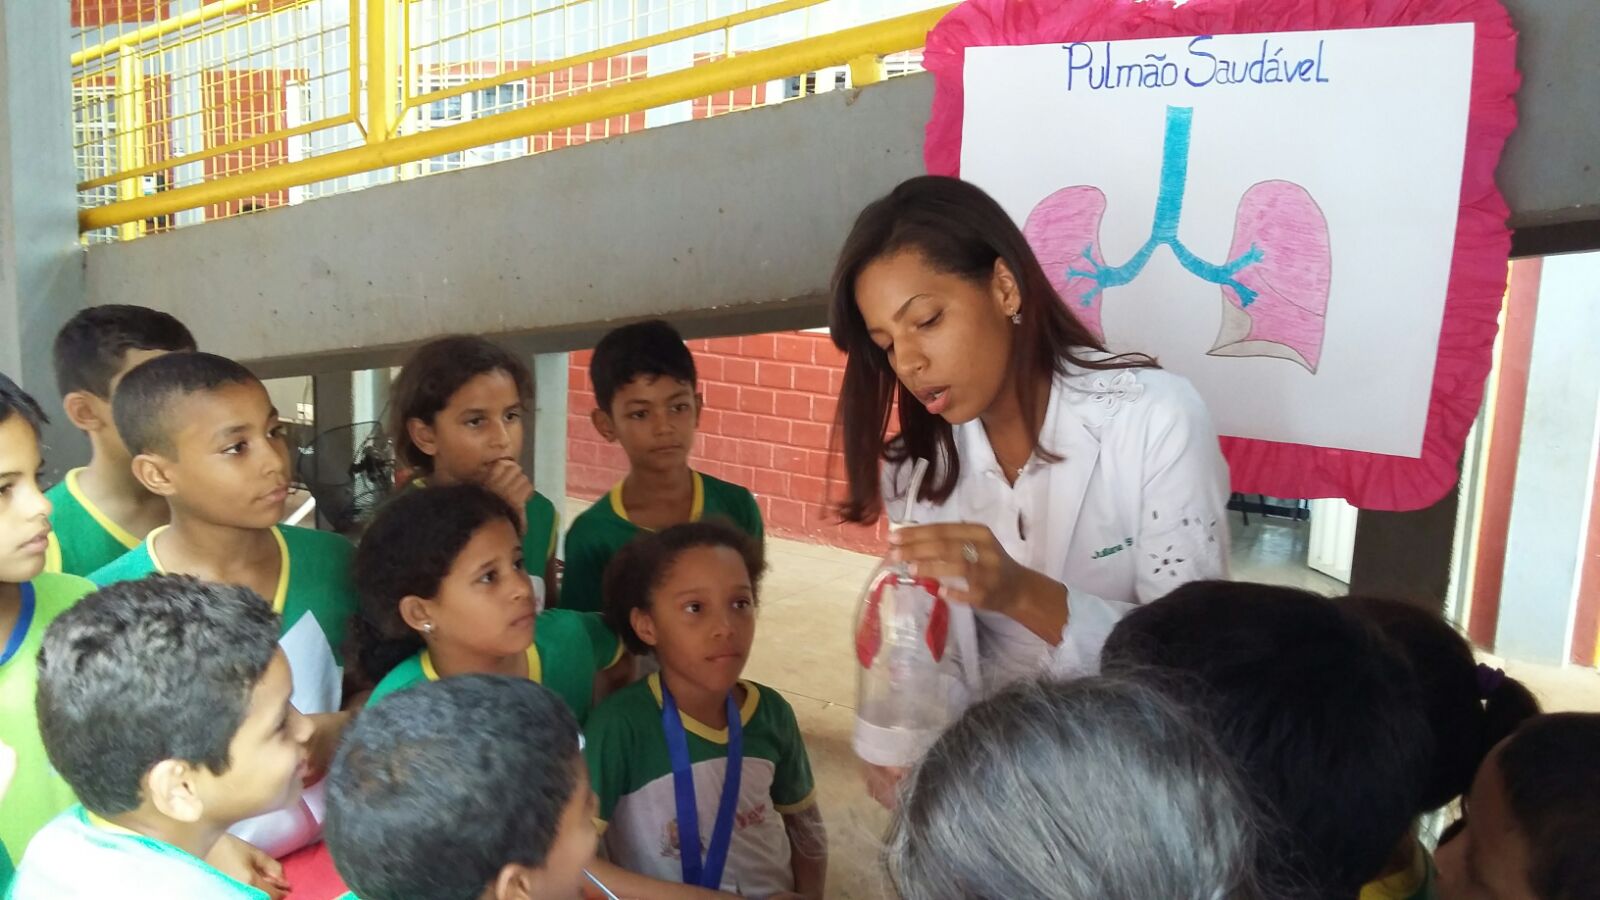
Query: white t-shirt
{"points": [[75, 859], [1135, 506]]}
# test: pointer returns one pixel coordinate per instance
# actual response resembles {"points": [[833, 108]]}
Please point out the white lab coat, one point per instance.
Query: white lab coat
{"points": [[1135, 507]]}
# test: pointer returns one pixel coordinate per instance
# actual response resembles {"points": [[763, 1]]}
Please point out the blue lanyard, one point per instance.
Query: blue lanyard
{"points": [[19, 631], [709, 873]]}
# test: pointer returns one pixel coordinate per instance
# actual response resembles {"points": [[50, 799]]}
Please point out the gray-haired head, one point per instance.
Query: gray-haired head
{"points": [[1095, 789]]}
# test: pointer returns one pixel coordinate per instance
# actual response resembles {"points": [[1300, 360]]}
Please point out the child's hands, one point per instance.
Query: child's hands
{"points": [[326, 729], [246, 863], [507, 479]]}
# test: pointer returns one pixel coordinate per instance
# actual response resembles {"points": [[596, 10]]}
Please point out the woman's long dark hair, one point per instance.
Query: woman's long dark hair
{"points": [[959, 230]]}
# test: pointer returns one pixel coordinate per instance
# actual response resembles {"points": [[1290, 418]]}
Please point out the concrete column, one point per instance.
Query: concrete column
{"points": [[332, 399], [549, 433], [370, 397], [1406, 555], [1555, 469], [41, 261]]}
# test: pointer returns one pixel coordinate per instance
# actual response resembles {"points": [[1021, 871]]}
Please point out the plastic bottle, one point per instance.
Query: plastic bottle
{"points": [[908, 685]]}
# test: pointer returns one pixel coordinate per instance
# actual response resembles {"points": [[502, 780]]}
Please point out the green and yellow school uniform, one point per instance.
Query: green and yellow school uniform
{"points": [[631, 770], [538, 542], [80, 856], [601, 530], [315, 598], [568, 650], [37, 793], [82, 538]]}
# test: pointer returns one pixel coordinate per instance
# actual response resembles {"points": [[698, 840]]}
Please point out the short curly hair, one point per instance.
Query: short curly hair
{"points": [[639, 567]]}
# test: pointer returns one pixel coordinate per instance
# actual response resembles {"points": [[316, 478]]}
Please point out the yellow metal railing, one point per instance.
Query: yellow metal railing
{"points": [[238, 104]]}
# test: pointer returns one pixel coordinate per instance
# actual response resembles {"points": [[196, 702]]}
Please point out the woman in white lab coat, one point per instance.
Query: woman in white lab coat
{"points": [[1067, 484]]}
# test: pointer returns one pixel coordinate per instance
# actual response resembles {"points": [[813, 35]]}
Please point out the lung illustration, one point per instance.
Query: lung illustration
{"points": [[1064, 230], [1291, 281], [1275, 281]]}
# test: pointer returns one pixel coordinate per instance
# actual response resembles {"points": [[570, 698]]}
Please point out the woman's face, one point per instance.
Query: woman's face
{"points": [[1488, 858], [948, 339]]}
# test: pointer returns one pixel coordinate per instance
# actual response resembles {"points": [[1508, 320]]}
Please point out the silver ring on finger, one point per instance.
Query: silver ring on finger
{"points": [[969, 552]]}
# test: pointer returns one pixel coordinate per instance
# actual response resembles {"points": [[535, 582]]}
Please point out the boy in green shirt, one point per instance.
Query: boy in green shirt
{"points": [[647, 400], [205, 437], [164, 703], [444, 593], [101, 510], [29, 601]]}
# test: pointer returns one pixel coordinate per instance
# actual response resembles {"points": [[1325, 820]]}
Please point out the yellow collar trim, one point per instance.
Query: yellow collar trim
{"points": [[1401, 885], [106, 824], [52, 552], [116, 531], [280, 597], [697, 506], [535, 666], [752, 697]]}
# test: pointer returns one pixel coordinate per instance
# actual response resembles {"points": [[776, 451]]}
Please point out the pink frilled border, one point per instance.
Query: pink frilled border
{"points": [[1483, 243]]}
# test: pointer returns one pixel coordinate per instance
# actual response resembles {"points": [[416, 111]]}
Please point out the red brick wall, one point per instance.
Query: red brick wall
{"points": [[99, 13], [241, 104], [767, 424]]}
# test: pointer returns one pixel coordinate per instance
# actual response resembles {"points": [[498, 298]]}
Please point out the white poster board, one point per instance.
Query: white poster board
{"points": [[1272, 215]]}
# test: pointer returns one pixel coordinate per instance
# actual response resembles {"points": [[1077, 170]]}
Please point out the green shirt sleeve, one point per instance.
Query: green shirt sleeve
{"points": [[792, 784], [539, 543], [6, 871], [585, 564], [603, 642], [607, 751]]}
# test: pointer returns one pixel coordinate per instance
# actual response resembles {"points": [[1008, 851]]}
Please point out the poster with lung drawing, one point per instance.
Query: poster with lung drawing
{"points": [[1266, 213], [1281, 214]]}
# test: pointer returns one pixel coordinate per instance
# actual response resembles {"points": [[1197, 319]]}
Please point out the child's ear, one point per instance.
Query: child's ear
{"points": [[644, 625], [699, 407], [154, 472], [604, 425], [171, 788], [516, 882], [84, 413], [414, 612], [421, 434]]}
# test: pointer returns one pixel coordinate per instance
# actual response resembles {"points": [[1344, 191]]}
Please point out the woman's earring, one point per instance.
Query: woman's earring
{"points": [[1016, 317], [427, 628]]}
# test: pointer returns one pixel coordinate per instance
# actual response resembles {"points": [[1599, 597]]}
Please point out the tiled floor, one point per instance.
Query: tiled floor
{"points": [[803, 649], [1274, 551]]}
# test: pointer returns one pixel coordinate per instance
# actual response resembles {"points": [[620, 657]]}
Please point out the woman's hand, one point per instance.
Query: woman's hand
{"points": [[995, 581], [961, 550], [248, 864]]}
